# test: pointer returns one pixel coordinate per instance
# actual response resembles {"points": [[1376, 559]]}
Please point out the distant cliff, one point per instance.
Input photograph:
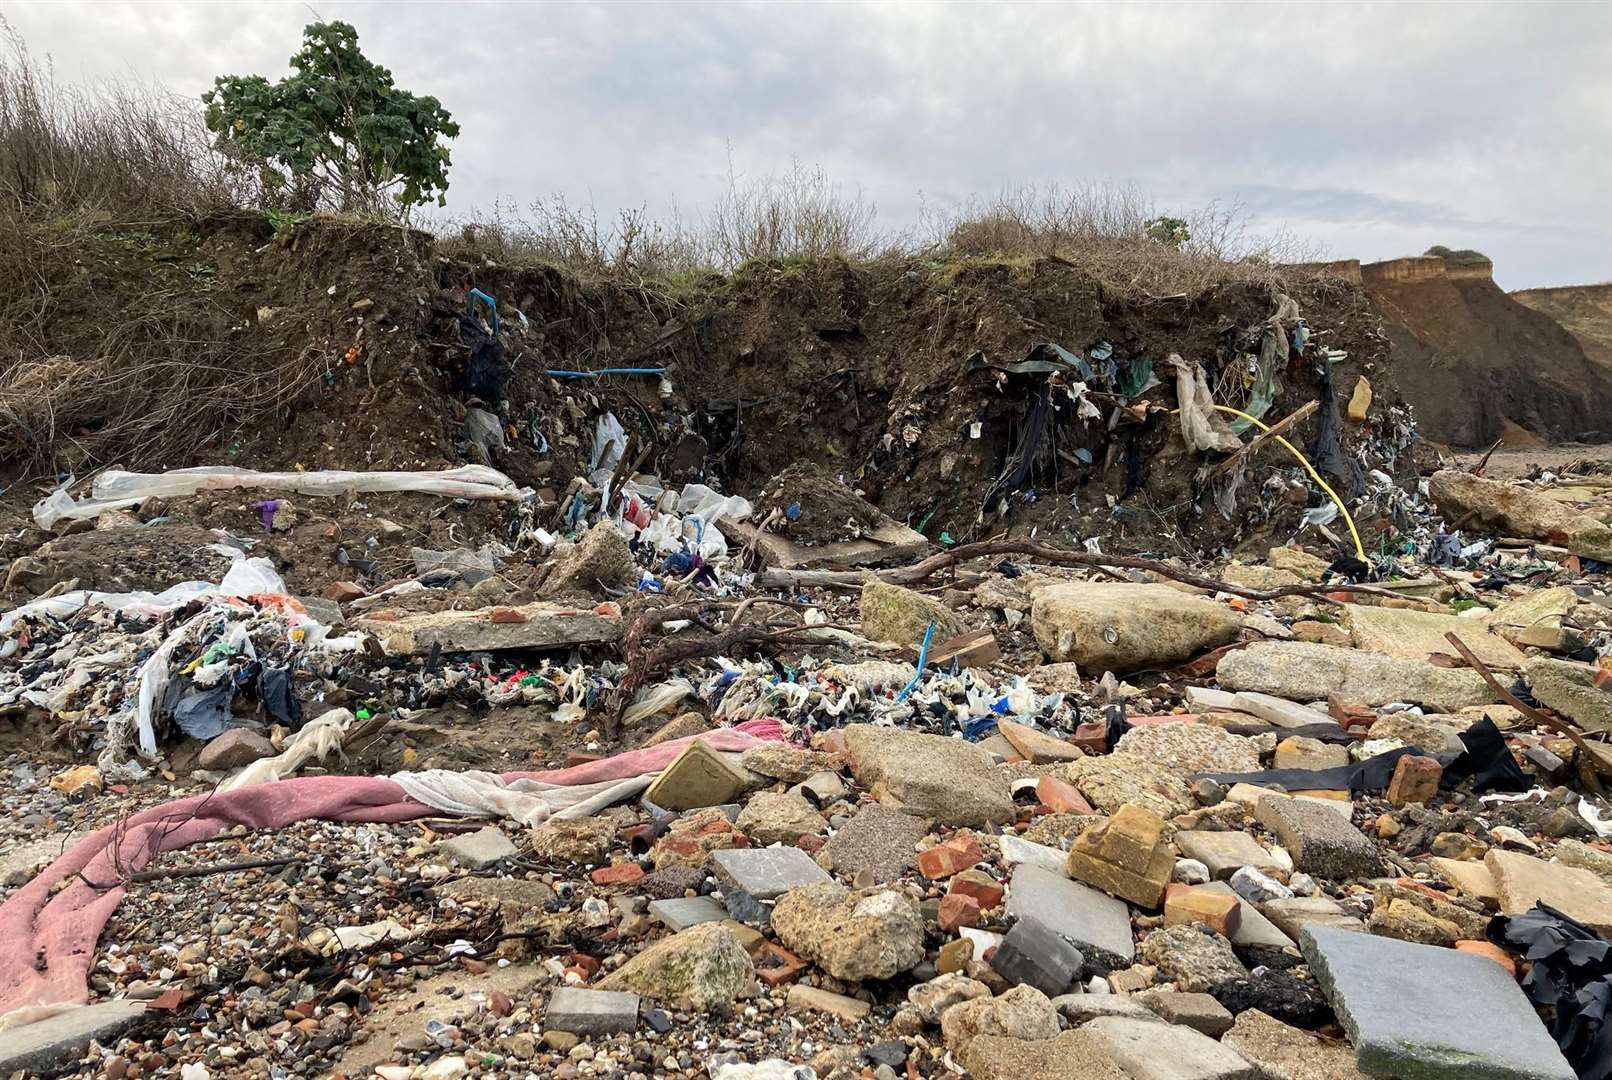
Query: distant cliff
{"points": [[1470, 358], [1586, 311]]}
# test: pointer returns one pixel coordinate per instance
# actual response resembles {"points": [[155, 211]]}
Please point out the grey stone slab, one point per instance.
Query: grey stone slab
{"points": [[1224, 853], [1147, 1050], [767, 873], [1079, 1008], [1253, 928], [591, 1012], [49, 1044], [1321, 841], [1279, 711], [1430, 1013], [1207, 697], [480, 849], [1034, 954], [1017, 851], [1200, 1012], [686, 911], [1293, 914], [1096, 923]]}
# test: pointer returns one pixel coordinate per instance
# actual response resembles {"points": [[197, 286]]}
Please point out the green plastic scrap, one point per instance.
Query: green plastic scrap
{"points": [[1136, 378]]}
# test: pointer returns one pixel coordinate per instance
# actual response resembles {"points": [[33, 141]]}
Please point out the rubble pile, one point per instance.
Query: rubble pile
{"points": [[649, 779]]}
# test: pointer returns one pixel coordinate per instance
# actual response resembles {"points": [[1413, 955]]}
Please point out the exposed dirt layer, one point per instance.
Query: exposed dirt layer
{"points": [[1469, 357], [889, 376], [1586, 311]]}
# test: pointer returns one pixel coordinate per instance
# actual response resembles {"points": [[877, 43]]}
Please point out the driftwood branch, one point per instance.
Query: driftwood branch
{"points": [[1533, 714], [911, 575], [1263, 439]]}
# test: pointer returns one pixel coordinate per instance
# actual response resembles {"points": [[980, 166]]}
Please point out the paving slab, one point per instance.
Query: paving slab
{"points": [[1293, 914], [591, 1012], [1523, 881], [1017, 851], [766, 873], [1152, 1051], [1279, 711], [1224, 853], [1096, 923], [686, 911], [1470, 1021], [480, 849], [1289, 1053], [48, 1044], [1253, 928]]}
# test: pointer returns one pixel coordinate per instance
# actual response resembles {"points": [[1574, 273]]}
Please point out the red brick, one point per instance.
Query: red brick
{"points": [[980, 885], [621, 874], [810, 843], [1415, 780], [958, 909], [776, 964], [1092, 737], [1491, 952], [1222, 914], [588, 965], [506, 615], [344, 592], [951, 857], [1060, 796]]}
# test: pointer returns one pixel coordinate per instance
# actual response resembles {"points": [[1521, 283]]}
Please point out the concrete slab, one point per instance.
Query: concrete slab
{"points": [[1097, 924], [46, 1045], [1432, 1013]]}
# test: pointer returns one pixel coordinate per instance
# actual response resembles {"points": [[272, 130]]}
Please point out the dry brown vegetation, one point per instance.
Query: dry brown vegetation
{"points": [[103, 184]]}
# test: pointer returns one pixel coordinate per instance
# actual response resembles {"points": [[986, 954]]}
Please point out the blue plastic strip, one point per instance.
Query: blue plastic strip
{"points": [[492, 305], [923, 659]]}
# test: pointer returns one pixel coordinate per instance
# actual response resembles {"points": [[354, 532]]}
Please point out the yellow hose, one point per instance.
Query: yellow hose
{"points": [[1360, 549]]}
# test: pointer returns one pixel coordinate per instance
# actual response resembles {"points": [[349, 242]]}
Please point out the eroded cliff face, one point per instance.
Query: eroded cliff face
{"points": [[1585, 310], [1470, 358]]}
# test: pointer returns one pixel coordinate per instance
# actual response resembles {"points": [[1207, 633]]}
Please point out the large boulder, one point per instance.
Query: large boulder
{"points": [[952, 781], [1535, 618], [1300, 671], [1119, 626], [1513, 510], [891, 613], [871, 934], [702, 968], [601, 558]]}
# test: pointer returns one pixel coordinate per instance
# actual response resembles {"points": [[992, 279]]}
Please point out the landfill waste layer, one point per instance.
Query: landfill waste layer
{"points": [[619, 768]]}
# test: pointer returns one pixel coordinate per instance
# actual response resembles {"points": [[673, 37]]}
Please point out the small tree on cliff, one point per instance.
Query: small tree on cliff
{"points": [[337, 130]]}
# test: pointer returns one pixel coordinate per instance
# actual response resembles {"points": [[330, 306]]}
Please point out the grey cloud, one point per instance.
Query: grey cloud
{"points": [[1377, 129]]}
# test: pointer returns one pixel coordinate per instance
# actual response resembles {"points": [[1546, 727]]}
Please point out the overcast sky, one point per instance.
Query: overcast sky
{"points": [[1376, 130]]}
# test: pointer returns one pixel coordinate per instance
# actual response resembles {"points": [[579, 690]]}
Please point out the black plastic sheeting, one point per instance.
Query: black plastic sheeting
{"points": [[1020, 466], [1485, 761], [487, 370], [1571, 975], [1326, 452]]}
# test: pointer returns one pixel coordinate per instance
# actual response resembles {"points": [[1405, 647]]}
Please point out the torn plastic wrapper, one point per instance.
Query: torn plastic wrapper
{"points": [[1569, 973], [116, 490], [1201, 426]]}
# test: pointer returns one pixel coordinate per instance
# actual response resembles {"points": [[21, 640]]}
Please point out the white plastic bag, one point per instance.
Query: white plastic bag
{"points": [[116, 490]]}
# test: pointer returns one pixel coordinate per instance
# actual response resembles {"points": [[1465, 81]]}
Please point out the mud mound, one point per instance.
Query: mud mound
{"points": [[1586, 311], [810, 505], [1470, 358], [908, 379]]}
